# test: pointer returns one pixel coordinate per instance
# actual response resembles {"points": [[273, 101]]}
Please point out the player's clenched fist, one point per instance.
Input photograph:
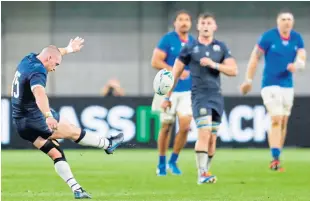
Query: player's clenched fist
{"points": [[51, 123], [245, 87], [206, 62], [75, 45]]}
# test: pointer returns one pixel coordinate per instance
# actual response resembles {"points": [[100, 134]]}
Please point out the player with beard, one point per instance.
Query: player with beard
{"points": [[164, 56]]}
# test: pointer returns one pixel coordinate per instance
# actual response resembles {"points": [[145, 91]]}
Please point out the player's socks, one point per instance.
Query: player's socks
{"points": [[173, 158], [201, 162], [161, 167], [209, 162], [275, 152], [173, 164], [162, 160], [64, 171], [87, 139]]}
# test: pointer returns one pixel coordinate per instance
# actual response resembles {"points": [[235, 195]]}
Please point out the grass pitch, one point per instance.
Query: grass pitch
{"points": [[129, 175]]}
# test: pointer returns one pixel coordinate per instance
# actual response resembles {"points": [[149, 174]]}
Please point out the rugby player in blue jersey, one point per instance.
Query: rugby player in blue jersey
{"points": [[284, 52], [37, 123], [164, 56]]}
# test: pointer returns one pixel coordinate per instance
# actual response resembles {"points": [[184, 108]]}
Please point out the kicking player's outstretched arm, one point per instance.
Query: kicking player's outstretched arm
{"points": [[160, 54], [74, 45]]}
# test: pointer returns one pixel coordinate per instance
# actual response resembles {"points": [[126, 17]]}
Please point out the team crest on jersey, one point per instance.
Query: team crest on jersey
{"points": [[196, 49], [216, 48], [182, 44], [203, 111], [285, 42]]}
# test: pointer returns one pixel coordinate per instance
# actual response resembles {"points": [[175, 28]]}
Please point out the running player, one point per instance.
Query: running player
{"points": [[38, 124], [284, 53], [163, 57], [207, 58]]}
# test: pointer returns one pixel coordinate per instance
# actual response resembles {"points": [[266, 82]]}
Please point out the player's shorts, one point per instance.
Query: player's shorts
{"points": [[208, 104], [180, 105], [278, 100], [31, 128]]}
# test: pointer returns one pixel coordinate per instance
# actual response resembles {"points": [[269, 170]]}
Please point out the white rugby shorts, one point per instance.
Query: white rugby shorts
{"points": [[181, 105], [278, 100]]}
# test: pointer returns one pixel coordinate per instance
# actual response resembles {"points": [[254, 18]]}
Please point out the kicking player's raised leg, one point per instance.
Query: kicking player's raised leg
{"points": [[180, 141], [53, 150], [66, 130]]}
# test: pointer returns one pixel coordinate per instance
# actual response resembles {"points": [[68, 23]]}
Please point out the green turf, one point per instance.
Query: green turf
{"points": [[243, 175]]}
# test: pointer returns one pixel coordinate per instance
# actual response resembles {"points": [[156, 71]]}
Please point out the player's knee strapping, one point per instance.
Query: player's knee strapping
{"points": [[204, 122], [49, 145], [215, 127]]}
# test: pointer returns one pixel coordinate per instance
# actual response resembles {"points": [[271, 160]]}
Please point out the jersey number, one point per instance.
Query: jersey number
{"points": [[15, 85]]}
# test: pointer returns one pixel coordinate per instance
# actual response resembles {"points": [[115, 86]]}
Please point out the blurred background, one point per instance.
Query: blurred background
{"points": [[120, 38]]}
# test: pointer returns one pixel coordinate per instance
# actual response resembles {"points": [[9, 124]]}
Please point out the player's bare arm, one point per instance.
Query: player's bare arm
{"points": [[229, 67], [43, 104], [158, 62], [255, 57], [74, 45]]}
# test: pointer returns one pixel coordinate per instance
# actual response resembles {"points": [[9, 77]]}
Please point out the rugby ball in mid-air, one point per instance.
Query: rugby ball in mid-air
{"points": [[163, 82]]}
